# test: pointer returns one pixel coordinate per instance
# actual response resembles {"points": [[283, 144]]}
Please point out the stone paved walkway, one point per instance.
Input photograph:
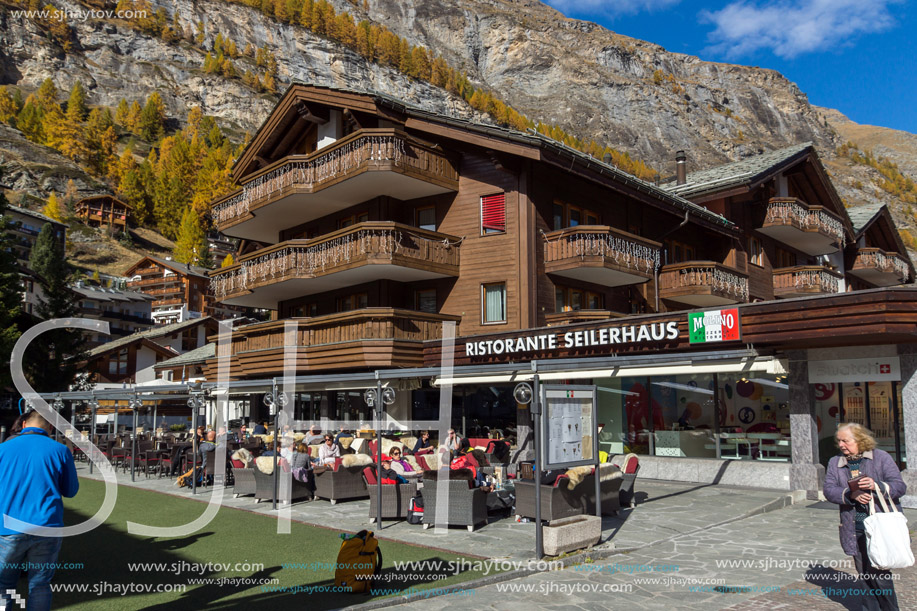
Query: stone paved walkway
{"points": [[761, 562]]}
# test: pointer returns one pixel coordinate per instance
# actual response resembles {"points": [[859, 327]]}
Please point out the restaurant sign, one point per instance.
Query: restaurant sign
{"points": [[604, 336], [714, 326], [880, 369]]}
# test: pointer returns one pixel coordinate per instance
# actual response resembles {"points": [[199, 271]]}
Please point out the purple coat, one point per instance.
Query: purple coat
{"points": [[876, 464]]}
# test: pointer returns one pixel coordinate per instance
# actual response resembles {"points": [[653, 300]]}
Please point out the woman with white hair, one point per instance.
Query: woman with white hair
{"points": [[854, 477]]}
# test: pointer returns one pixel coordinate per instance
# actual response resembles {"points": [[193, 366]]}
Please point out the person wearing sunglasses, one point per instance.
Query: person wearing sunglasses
{"points": [[36, 472], [400, 463]]}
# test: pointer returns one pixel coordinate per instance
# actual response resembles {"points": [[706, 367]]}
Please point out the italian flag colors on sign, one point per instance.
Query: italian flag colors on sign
{"points": [[714, 326]]}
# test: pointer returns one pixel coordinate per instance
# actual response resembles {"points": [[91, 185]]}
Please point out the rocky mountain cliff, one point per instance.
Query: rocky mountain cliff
{"points": [[629, 94]]}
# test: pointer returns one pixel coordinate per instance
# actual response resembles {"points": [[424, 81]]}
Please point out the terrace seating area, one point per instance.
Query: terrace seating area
{"points": [[486, 489]]}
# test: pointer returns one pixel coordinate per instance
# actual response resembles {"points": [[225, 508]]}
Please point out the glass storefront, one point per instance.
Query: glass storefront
{"points": [[699, 416], [838, 403]]}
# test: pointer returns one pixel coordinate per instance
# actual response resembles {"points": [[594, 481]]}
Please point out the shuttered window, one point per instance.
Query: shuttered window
{"points": [[493, 214]]}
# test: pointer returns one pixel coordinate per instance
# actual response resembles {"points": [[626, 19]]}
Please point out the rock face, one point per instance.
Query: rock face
{"points": [[629, 94]]}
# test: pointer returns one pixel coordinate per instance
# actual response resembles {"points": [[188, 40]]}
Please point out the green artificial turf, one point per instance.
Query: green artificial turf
{"points": [[234, 536]]}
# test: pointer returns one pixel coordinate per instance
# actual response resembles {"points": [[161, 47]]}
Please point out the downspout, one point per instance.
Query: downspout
{"points": [[662, 258]]}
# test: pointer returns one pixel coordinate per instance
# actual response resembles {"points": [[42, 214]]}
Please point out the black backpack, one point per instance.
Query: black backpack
{"points": [[415, 510]]}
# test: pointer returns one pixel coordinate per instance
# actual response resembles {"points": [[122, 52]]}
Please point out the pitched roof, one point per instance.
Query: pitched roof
{"points": [[147, 334], [530, 138], [862, 216], [198, 355], [180, 268], [35, 215], [104, 196], [92, 292], [743, 172]]}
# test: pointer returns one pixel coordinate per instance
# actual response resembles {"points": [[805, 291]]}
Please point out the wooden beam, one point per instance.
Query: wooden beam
{"points": [[320, 116]]}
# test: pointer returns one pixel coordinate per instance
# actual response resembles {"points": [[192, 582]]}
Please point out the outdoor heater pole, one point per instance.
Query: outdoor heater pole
{"points": [[92, 426], [536, 470], [194, 409], [276, 408], [378, 408], [134, 442]]}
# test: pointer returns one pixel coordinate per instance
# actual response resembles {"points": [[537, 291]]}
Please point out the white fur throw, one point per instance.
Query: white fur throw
{"points": [[356, 460], [242, 455], [388, 444], [607, 472], [265, 464]]}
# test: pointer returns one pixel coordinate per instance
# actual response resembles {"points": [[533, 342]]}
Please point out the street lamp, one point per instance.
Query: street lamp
{"points": [[93, 406], [275, 402], [388, 398], [135, 404]]}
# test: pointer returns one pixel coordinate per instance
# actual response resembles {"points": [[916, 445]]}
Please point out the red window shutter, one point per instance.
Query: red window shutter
{"points": [[493, 213]]}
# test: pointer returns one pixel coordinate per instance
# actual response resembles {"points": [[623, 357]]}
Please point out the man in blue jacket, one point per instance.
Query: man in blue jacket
{"points": [[35, 472]]}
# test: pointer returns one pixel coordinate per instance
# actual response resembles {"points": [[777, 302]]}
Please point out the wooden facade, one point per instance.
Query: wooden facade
{"points": [[362, 218], [104, 211]]}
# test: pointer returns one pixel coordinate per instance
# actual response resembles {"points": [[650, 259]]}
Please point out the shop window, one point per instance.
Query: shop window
{"points": [[425, 218], [353, 219], [493, 303], [678, 252], [568, 299], [357, 301], [493, 214], [755, 251], [425, 300]]}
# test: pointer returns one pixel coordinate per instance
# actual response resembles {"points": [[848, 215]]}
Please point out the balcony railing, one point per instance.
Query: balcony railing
{"points": [[703, 283], [327, 165], [601, 254], [573, 316], [881, 268], [159, 279], [363, 243], [805, 280], [814, 230]]}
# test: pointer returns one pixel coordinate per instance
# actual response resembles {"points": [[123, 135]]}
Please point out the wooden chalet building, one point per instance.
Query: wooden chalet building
{"points": [[372, 225], [180, 291], [104, 211]]}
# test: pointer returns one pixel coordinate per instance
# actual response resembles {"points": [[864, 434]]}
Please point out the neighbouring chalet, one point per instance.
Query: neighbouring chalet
{"points": [[131, 359], [368, 227], [24, 227], [126, 312], [180, 291], [104, 211]]}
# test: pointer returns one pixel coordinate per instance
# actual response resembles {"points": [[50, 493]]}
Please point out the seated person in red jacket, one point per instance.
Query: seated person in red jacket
{"points": [[388, 473]]}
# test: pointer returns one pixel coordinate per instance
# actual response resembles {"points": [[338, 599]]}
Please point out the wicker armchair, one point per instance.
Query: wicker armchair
{"points": [[340, 484], [557, 501], [244, 482], [396, 499], [264, 487], [467, 506]]}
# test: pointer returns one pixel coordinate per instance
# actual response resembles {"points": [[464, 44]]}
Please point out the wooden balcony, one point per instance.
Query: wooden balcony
{"points": [[702, 284], [814, 230], [601, 255], [300, 188], [367, 338], [555, 319], [360, 253], [805, 281], [881, 268]]}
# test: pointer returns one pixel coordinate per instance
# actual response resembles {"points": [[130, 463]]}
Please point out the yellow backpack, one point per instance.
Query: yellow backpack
{"points": [[359, 561]]}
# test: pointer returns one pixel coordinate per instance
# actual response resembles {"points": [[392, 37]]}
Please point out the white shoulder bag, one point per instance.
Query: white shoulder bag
{"points": [[888, 541]]}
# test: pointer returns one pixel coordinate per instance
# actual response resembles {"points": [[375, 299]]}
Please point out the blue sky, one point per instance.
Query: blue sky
{"points": [[858, 56]]}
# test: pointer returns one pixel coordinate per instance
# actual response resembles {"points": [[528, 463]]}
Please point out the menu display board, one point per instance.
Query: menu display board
{"points": [[569, 425]]}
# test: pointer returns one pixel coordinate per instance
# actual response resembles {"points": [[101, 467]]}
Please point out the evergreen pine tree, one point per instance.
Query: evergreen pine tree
{"points": [[10, 293], [30, 120], [51, 358]]}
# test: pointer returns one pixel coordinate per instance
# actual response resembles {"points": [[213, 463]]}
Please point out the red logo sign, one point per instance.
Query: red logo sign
{"points": [[885, 368]]}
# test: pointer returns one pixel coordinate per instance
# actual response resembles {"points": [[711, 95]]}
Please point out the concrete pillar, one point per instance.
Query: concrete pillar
{"points": [[805, 472], [908, 398]]}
